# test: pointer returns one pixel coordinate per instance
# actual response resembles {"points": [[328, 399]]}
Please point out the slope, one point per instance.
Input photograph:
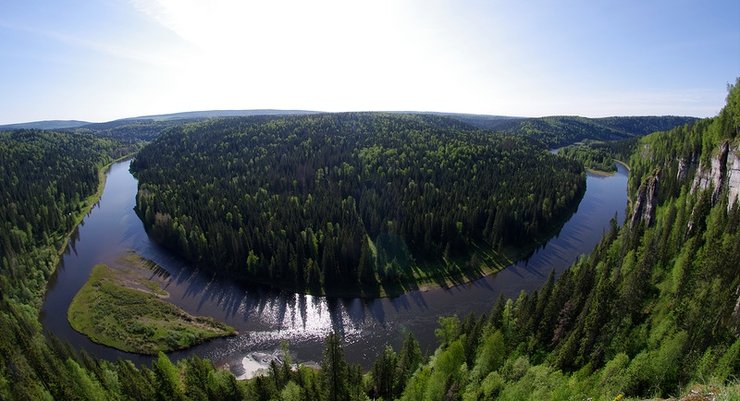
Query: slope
{"points": [[556, 131]]}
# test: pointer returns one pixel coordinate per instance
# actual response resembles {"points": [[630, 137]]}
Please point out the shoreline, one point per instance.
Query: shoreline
{"points": [[602, 173], [625, 165]]}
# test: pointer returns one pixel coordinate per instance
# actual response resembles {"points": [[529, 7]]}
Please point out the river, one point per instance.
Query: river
{"points": [[264, 317]]}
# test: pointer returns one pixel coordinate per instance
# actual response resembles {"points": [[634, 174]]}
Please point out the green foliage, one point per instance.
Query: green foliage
{"points": [[449, 330], [334, 370], [648, 311], [349, 203], [490, 355], [48, 180], [384, 374], [600, 156], [167, 378], [557, 131]]}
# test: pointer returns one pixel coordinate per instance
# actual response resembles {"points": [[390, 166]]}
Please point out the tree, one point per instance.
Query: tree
{"points": [[168, 384], [334, 370], [409, 359], [384, 374]]}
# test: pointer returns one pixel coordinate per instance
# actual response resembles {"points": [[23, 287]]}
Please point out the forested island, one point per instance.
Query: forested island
{"points": [[363, 203]]}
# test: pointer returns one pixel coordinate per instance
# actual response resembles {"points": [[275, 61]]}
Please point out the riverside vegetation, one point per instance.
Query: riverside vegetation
{"points": [[649, 313]]}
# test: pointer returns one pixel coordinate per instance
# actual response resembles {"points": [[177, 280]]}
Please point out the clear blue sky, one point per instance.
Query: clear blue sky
{"points": [[99, 60]]}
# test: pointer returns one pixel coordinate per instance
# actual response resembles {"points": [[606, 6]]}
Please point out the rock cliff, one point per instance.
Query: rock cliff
{"points": [[723, 172], [645, 203]]}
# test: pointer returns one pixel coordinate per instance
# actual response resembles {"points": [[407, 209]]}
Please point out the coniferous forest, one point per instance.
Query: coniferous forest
{"points": [[348, 201], [47, 179], [651, 312]]}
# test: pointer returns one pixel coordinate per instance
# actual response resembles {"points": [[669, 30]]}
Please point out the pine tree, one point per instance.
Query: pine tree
{"points": [[334, 370]]}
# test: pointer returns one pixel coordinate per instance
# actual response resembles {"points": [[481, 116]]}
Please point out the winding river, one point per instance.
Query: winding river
{"points": [[264, 317]]}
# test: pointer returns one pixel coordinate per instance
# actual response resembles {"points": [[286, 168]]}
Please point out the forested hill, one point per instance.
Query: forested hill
{"points": [[554, 131], [47, 125], [344, 201], [559, 131], [146, 128]]}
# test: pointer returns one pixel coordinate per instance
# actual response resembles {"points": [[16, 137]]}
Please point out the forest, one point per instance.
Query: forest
{"points": [[47, 179], [598, 155], [558, 131], [336, 202], [650, 313]]}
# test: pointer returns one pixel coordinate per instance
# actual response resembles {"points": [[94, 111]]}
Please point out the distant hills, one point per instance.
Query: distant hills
{"points": [[553, 131], [47, 124], [222, 113], [188, 115], [558, 131]]}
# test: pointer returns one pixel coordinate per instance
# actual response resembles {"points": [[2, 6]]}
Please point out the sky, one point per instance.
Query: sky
{"points": [[99, 60]]}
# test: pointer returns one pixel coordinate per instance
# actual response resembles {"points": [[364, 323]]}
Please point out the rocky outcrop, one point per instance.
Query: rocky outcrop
{"points": [[713, 176], [683, 168], [733, 176], [723, 171], [646, 202]]}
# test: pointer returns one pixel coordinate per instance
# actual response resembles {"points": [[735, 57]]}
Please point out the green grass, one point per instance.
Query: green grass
{"points": [[123, 309]]}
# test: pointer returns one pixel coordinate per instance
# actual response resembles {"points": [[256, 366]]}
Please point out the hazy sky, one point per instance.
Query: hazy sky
{"points": [[99, 60]]}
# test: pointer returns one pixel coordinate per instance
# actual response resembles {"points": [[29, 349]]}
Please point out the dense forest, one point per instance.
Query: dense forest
{"points": [[46, 179], [600, 156], [341, 201], [557, 131]]}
